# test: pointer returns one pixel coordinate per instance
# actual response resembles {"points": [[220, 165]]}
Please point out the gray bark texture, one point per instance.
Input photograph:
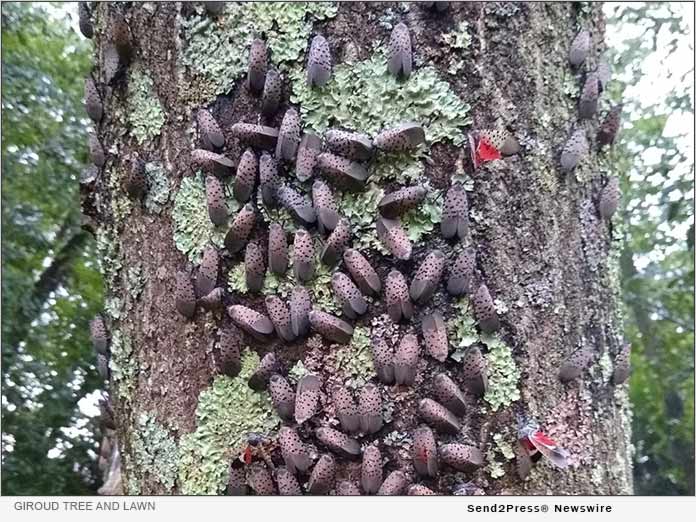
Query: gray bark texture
{"points": [[542, 249]]}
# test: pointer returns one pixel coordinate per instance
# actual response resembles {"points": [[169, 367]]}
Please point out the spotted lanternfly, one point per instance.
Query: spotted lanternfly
{"points": [[400, 55], [435, 336], [427, 277], [214, 8], [298, 205], [272, 92], [241, 228], [185, 295], [258, 63], [401, 201], [211, 162], [462, 272], [370, 409], [397, 298], [269, 182], [255, 324], [424, 452], [348, 296], [455, 213], [462, 457], [318, 62], [351, 145], [609, 199], [383, 359], [342, 172], [300, 306], [490, 145], [212, 300], [416, 490], [622, 365], [121, 37], [339, 443], [257, 136], [475, 372], [267, 367], [395, 484], [330, 327], [394, 237], [93, 101], [287, 483], [228, 357], [307, 398], [346, 410], [449, 395], [575, 364], [325, 207], [96, 151], [254, 268], [346, 488], [212, 135], [323, 476], [575, 150], [293, 450], [484, 310], [215, 195], [439, 417], [280, 317], [307, 152], [336, 243], [103, 366], [404, 137], [245, 180], [236, 481], [610, 126], [589, 97], [303, 256], [260, 479], [362, 272], [207, 272], [282, 397], [537, 444], [579, 48], [85, 20], [98, 334], [406, 360], [603, 74], [371, 470], [288, 136]]}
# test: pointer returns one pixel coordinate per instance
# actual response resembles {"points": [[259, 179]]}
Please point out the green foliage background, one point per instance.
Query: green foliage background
{"points": [[51, 286]]}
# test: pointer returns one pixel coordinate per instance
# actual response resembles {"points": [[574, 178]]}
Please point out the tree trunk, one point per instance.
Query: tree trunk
{"points": [[550, 262]]}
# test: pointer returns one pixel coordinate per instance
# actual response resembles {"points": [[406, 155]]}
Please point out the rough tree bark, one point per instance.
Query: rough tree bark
{"points": [[548, 259]]}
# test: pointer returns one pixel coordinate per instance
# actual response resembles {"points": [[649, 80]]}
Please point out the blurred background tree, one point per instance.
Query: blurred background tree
{"points": [[51, 285]]}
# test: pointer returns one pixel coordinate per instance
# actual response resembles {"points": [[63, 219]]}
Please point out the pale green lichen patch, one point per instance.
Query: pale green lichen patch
{"points": [[227, 412], [136, 280], [501, 448], [158, 187], [108, 255], [297, 372], [218, 49], [193, 230], [461, 329], [355, 360], [503, 374], [155, 451], [145, 114], [421, 221], [360, 210], [363, 96], [113, 307], [319, 287], [458, 41], [121, 364]]}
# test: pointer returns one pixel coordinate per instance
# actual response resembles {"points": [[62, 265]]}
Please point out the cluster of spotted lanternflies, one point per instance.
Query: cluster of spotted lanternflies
{"points": [[341, 162]]}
